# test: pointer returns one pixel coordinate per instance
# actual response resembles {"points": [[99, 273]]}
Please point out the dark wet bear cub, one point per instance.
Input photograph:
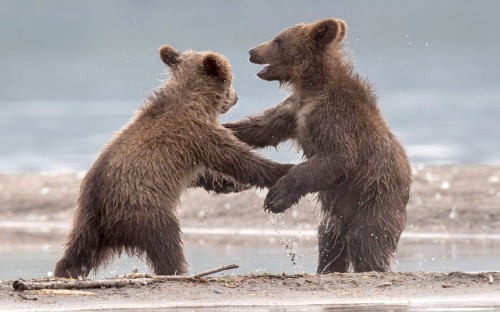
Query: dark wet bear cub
{"points": [[354, 162], [128, 198]]}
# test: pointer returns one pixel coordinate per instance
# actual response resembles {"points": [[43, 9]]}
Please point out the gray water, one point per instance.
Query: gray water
{"points": [[414, 255], [72, 73], [252, 257], [257, 256]]}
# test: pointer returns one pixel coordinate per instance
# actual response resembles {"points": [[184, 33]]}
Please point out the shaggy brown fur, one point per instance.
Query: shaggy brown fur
{"points": [[128, 198], [356, 165]]}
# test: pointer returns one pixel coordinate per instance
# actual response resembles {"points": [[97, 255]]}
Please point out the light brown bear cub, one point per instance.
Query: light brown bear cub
{"points": [[354, 162], [128, 198]]}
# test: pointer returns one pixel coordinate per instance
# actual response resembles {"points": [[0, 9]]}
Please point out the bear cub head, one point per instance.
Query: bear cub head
{"points": [[206, 73], [297, 48]]}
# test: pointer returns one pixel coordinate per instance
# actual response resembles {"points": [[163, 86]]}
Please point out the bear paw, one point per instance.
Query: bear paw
{"points": [[278, 199]]}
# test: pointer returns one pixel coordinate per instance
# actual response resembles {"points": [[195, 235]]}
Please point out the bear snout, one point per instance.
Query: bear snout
{"points": [[256, 57]]}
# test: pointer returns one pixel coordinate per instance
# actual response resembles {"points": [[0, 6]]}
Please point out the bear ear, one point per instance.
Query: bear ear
{"points": [[170, 56], [328, 30], [216, 66], [342, 30]]}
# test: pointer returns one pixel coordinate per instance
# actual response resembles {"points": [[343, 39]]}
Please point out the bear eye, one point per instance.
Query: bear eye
{"points": [[278, 41]]}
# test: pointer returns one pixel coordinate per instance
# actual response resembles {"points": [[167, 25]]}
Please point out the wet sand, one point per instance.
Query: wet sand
{"points": [[404, 289], [444, 199], [451, 200]]}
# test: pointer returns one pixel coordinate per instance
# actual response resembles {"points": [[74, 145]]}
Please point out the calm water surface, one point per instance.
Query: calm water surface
{"points": [[69, 135], [436, 73], [423, 255]]}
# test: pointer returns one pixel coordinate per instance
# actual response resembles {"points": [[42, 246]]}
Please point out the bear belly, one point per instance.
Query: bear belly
{"points": [[341, 200]]}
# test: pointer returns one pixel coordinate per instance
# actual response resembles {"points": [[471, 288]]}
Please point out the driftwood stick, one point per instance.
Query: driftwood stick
{"points": [[223, 268], [131, 280], [76, 284]]}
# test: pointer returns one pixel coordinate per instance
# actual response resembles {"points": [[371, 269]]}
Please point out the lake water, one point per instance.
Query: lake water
{"points": [[69, 135], [72, 73], [426, 255], [436, 255]]}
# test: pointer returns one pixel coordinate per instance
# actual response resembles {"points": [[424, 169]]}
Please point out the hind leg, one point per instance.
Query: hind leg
{"points": [[81, 255], [163, 246], [333, 255], [85, 249], [371, 247]]}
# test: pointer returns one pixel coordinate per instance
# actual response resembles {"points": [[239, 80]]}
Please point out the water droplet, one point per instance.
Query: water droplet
{"points": [[493, 179], [430, 177], [453, 213], [445, 185]]}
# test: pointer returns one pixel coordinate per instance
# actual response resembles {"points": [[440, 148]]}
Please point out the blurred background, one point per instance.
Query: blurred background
{"points": [[73, 72]]}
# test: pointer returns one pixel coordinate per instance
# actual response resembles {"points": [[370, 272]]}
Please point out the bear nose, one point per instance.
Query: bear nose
{"points": [[251, 51]]}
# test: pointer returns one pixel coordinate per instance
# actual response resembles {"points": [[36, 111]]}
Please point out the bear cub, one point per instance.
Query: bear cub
{"points": [[358, 168], [128, 198]]}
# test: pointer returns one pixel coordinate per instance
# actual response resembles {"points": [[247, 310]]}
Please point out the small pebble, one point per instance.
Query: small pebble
{"points": [[385, 284]]}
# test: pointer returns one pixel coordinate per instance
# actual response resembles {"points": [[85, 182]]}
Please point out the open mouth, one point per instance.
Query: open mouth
{"points": [[264, 71]]}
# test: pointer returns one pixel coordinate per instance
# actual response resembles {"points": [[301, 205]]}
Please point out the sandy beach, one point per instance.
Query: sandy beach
{"points": [[445, 199], [450, 200]]}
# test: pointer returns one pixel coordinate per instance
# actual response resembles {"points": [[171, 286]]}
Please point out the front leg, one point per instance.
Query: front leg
{"points": [[224, 153], [280, 197], [272, 127], [314, 175]]}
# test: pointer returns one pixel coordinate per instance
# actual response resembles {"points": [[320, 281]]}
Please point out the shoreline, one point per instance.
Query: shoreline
{"points": [[403, 290], [446, 203]]}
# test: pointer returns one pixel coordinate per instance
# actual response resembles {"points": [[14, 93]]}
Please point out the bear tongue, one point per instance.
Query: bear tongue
{"points": [[263, 71]]}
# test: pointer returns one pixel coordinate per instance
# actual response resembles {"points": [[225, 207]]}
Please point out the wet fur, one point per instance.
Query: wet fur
{"points": [[358, 168], [128, 199]]}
